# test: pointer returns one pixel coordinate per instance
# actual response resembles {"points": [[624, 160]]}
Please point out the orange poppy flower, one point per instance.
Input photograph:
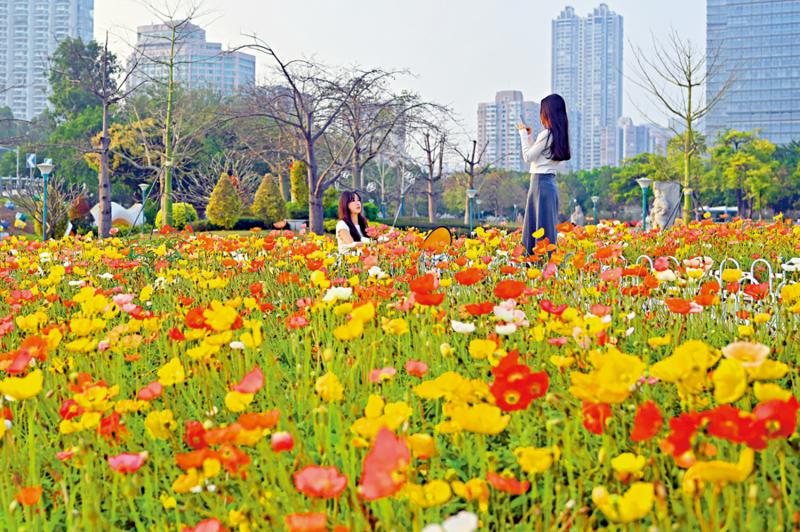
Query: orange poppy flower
{"points": [[29, 496], [469, 276], [509, 289], [678, 305], [507, 484]]}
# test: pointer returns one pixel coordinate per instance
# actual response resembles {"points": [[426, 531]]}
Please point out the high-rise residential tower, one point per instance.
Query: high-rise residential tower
{"points": [[587, 72], [497, 129], [30, 31], [755, 45], [198, 63]]}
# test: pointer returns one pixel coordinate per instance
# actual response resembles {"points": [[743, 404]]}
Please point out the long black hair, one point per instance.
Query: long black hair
{"points": [[344, 214], [554, 117]]}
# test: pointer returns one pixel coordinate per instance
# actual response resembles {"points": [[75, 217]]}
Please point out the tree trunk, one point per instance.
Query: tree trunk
{"points": [[356, 169], [431, 202], [104, 184], [166, 185], [316, 214]]}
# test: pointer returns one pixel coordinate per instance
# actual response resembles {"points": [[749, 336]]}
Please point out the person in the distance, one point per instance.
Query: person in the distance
{"points": [[351, 229], [546, 156]]}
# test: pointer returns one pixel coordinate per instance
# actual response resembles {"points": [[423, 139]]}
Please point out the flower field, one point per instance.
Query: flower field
{"points": [[263, 382]]}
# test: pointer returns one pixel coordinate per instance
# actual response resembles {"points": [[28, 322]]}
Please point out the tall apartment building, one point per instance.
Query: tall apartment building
{"points": [[587, 72], [198, 63], [756, 42], [497, 129], [30, 31], [633, 140]]}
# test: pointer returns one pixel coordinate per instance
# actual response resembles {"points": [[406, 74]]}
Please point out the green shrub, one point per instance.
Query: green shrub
{"points": [[268, 204], [243, 224], [182, 214], [224, 207], [298, 182], [297, 211], [330, 225]]}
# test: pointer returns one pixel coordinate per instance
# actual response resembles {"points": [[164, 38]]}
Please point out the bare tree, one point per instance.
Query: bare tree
{"points": [[61, 195], [196, 187], [372, 116], [109, 91], [474, 166], [178, 29], [307, 110], [675, 75], [431, 139]]}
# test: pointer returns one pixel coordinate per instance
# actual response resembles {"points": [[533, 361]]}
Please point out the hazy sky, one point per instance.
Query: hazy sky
{"points": [[460, 51]]}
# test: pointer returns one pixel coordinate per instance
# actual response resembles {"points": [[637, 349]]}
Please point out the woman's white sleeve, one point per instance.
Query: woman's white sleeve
{"points": [[531, 151]]}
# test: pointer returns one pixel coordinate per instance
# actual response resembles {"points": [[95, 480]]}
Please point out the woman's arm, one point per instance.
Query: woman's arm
{"points": [[345, 239], [531, 151]]}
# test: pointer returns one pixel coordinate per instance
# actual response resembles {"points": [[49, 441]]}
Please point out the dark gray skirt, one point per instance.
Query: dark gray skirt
{"points": [[541, 210]]}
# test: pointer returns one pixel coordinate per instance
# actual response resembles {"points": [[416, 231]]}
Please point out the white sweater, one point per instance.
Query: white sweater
{"points": [[534, 153], [343, 247]]}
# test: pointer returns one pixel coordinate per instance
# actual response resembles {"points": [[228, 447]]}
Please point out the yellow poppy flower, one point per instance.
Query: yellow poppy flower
{"points": [[718, 471], [238, 401], [534, 460], [631, 506], [171, 373], [329, 388], [730, 381], [21, 388]]}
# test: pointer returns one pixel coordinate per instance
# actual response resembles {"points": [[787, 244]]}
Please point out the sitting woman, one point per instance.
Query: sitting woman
{"points": [[351, 229]]}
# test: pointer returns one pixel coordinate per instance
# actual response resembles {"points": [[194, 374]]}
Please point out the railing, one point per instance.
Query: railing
{"points": [[9, 185]]}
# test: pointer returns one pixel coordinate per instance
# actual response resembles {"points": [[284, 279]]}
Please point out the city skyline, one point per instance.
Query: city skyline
{"points": [[199, 64], [458, 57], [29, 34], [756, 43]]}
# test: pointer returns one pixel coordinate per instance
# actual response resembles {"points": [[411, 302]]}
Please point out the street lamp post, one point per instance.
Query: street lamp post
{"points": [[45, 168], [644, 183], [143, 188], [595, 199], [478, 202], [515, 214], [471, 193]]}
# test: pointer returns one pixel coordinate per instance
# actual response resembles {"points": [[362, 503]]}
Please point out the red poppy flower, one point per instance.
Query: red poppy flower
{"points": [[469, 276], [480, 309], [416, 368], [709, 287], [429, 299], [127, 462], [307, 522], [28, 496], [509, 289], [383, 473], [507, 484], [595, 416], [111, 428], [729, 423], [682, 430], [757, 291], [206, 525], [281, 441], [251, 382], [195, 435], [678, 305], [176, 334], [424, 284], [150, 391], [70, 409], [320, 482], [646, 422], [779, 417], [548, 306], [233, 459], [195, 319], [518, 394]]}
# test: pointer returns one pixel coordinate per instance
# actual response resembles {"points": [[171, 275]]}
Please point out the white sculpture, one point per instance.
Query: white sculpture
{"points": [[667, 196], [120, 216]]}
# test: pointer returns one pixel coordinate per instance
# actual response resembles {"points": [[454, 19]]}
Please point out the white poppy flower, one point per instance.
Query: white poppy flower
{"points": [[462, 327]]}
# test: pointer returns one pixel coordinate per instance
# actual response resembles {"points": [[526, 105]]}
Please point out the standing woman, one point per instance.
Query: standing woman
{"points": [[546, 156], [351, 229]]}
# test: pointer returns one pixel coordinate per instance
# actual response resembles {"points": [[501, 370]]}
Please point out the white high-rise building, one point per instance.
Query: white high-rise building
{"points": [[497, 129], [198, 63], [635, 139], [30, 31], [587, 72]]}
